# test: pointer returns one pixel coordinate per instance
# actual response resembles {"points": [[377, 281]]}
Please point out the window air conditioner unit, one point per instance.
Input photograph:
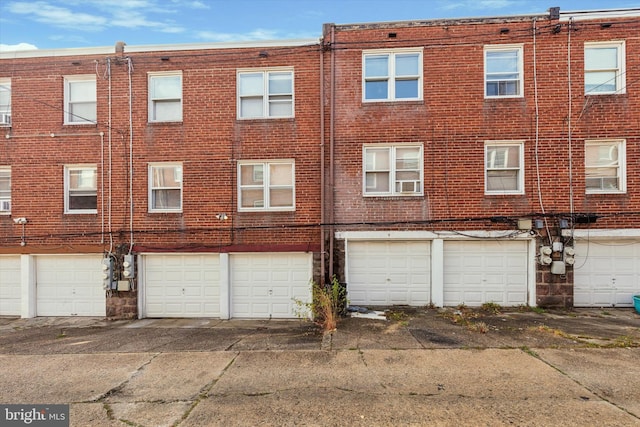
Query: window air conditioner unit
{"points": [[409, 186], [5, 119], [5, 206]]}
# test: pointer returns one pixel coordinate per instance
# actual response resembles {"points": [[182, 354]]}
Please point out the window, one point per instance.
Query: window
{"points": [[503, 73], [80, 188], [265, 94], [392, 170], [503, 167], [80, 100], [165, 97], [5, 102], [5, 190], [165, 187], [392, 75], [604, 68], [605, 166], [266, 185]]}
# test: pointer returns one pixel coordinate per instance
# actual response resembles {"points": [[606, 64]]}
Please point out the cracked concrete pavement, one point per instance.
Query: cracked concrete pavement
{"points": [[417, 370]]}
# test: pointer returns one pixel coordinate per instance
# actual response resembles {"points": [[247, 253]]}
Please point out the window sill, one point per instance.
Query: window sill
{"points": [[264, 119], [81, 213], [165, 212], [169, 123], [392, 102], [606, 193], [504, 194], [269, 211]]}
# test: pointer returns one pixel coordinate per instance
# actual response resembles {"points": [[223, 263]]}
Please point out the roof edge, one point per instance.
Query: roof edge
{"points": [[108, 50]]}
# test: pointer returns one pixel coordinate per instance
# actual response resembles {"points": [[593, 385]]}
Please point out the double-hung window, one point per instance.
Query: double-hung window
{"points": [[5, 102], [604, 71], [5, 190], [80, 100], [394, 170], [165, 187], [503, 71], [165, 97], [266, 185], [392, 75], [81, 190], [265, 94], [605, 166], [504, 173]]}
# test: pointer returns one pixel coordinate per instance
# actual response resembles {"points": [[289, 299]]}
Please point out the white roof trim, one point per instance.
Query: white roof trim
{"points": [[583, 15], [110, 50]]}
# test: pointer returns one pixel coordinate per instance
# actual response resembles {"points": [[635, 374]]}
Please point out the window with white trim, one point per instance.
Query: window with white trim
{"points": [[80, 189], [605, 166], [604, 68], [265, 94], [266, 185], [504, 171], [503, 71], [80, 100], [392, 75], [5, 102], [5, 190], [392, 170], [165, 187], [165, 97]]}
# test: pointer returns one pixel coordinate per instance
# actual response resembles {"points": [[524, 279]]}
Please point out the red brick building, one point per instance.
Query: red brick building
{"points": [[486, 160], [438, 162], [196, 165]]}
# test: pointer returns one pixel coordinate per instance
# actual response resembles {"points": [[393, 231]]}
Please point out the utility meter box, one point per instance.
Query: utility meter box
{"points": [[558, 267]]}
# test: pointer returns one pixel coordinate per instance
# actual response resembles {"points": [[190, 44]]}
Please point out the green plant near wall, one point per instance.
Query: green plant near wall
{"points": [[327, 305]]}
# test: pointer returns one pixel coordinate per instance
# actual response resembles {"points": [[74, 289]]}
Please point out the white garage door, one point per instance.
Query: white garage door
{"points": [[10, 285], [266, 285], [388, 272], [485, 271], [69, 285], [606, 273], [185, 285]]}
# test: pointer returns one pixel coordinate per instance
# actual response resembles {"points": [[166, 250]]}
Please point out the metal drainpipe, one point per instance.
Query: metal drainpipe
{"points": [[331, 149], [322, 190]]}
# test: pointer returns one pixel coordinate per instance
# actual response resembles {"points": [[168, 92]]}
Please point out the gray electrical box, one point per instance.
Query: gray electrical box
{"points": [[558, 267]]}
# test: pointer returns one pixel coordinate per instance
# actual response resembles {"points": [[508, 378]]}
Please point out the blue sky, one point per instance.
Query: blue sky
{"points": [[54, 24]]}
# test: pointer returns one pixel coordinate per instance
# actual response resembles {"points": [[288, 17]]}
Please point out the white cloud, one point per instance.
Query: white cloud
{"points": [[57, 16], [14, 47]]}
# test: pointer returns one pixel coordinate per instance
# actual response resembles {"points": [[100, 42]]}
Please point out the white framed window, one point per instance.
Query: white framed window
{"points": [[265, 94], [80, 189], [392, 170], [604, 68], [5, 102], [504, 167], [605, 166], [392, 75], [5, 190], [165, 187], [266, 185], [80, 100], [503, 71], [165, 97]]}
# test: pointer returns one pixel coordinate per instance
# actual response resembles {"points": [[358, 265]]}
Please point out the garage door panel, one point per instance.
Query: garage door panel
{"points": [[389, 272], [265, 285], [476, 272], [69, 285], [10, 286], [182, 285], [606, 273]]}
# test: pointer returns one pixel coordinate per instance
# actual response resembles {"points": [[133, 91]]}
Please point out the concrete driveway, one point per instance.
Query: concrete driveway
{"points": [[419, 369]]}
